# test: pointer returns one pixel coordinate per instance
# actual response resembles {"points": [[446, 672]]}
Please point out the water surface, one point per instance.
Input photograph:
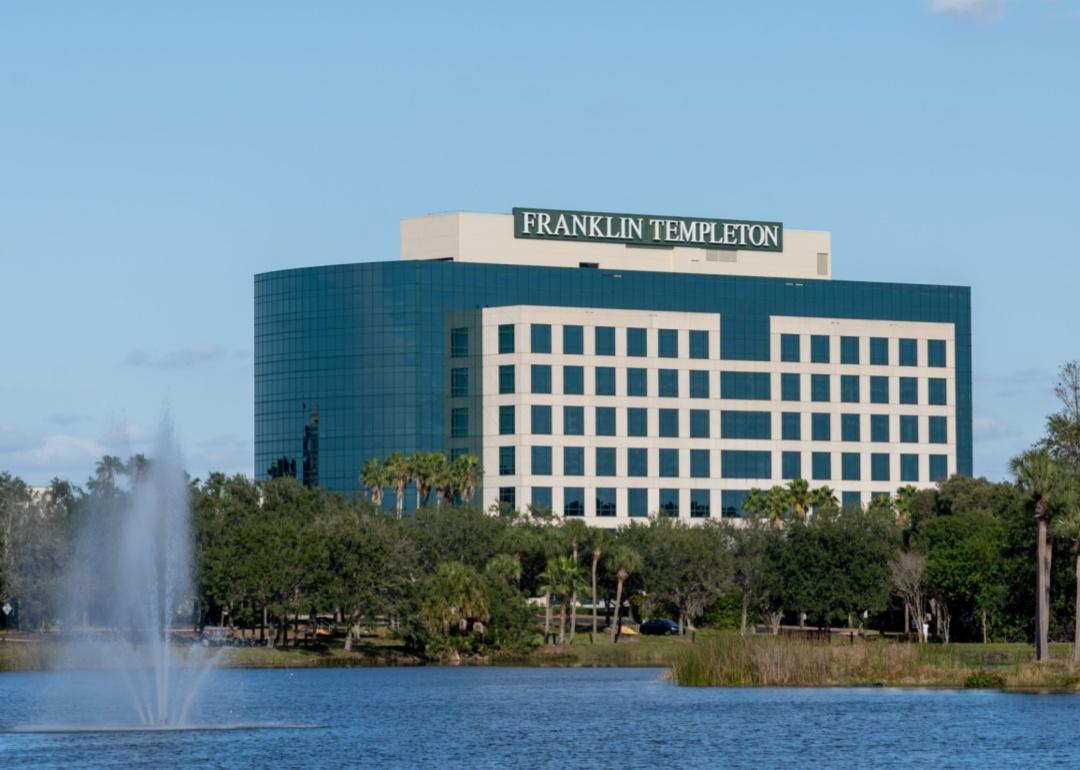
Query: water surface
{"points": [[546, 718]]}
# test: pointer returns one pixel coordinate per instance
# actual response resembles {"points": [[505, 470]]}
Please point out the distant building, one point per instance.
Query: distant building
{"points": [[610, 365]]}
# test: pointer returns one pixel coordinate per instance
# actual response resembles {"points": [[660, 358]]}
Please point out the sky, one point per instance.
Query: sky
{"points": [[155, 156]]}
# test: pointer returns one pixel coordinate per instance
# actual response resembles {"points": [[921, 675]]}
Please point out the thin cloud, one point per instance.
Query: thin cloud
{"points": [[184, 358], [976, 10], [60, 451]]}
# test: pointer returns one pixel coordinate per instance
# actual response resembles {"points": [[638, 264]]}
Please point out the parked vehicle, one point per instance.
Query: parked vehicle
{"points": [[659, 627]]}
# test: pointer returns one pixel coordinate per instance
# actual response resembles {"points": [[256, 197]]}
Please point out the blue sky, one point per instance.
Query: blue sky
{"points": [[153, 157]]}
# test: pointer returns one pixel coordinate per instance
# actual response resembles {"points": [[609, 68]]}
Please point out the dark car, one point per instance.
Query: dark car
{"points": [[659, 627]]}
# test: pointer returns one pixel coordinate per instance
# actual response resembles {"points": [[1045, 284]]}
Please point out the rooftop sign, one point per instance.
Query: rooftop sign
{"points": [[648, 230]]}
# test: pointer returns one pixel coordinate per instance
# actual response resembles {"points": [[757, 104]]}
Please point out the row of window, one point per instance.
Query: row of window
{"points": [[753, 386], [733, 424], [734, 464], [667, 345], [637, 501]]}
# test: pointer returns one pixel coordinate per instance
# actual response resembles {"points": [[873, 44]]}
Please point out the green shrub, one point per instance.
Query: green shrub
{"points": [[985, 680]]}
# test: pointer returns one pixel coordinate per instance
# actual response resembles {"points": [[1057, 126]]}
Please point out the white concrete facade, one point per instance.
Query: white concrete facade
{"points": [[489, 238], [523, 481]]}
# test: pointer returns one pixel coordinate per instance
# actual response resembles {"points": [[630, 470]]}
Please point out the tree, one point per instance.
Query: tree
{"points": [[443, 479], [1040, 476], [562, 578], [622, 560], [905, 498], [468, 473], [1063, 427], [908, 570], [823, 499], [399, 471], [454, 598], [423, 467], [801, 497], [1067, 524], [374, 477]]}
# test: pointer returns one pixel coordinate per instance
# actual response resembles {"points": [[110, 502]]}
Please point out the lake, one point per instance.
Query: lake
{"points": [[541, 718]]}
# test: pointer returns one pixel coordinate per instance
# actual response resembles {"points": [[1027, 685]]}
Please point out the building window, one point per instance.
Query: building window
{"points": [[669, 383], [849, 427], [605, 340], [669, 423], [851, 499], [739, 464], [879, 467], [573, 420], [935, 352], [669, 463], [745, 425], [909, 467], [879, 428], [637, 503], [849, 388], [605, 421], [573, 501], [636, 344], [909, 429], [936, 391], [507, 499], [849, 350], [699, 423], [850, 466], [637, 462], [637, 422], [506, 378], [605, 380], [506, 338], [605, 461], [573, 340], [789, 347], [668, 343], [938, 432], [879, 390], [669, 503], [939, 467], [541, 461], [699, 503], [506, 420], [819, 387], [699, 463], [731, 502], [605, 501], [791, 465], [573, 380], [541, 420], [541, 338], [821, 426], [541, 378], [909, 352], [789, 387], [459, 381], [879, 351], [790, 426], [752, 386], [459, 342], [699, 343], [699, 384], [506, 461], [821, 466], [819, 349], [459, 422], [909, 390], [541, 498], [573, 461], [637, 382]]}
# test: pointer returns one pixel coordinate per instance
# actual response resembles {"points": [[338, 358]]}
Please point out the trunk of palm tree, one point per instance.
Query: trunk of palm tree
{"points": [[984, 628], [595, 561], [562, 621], [1076, 619], [547, 617], [1042, 595], [744, 611], [618, 605], [573, 599]]}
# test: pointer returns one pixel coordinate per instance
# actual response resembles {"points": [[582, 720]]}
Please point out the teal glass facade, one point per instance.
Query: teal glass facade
{"points": [[361, 355]]}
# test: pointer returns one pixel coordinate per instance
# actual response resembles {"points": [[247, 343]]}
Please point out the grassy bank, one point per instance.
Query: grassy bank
{"points": [[728, 660]]}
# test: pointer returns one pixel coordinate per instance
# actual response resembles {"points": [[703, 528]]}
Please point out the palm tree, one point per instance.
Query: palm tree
{"points": [[563, 578], [424, 466], [823, 497], [624, 560], [374, 477], [400, 474], [1040, 477], [504, 568], [442, 478], [577, 532], [777, 503], [905, 496], [136, 468], [467, 476], [106, 471], [1067, 524], [801, 497], [597, 552]]}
